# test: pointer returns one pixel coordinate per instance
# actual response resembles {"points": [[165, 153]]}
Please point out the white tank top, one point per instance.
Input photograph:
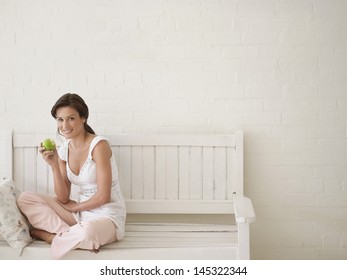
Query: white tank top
{"points": [[86, 181]]}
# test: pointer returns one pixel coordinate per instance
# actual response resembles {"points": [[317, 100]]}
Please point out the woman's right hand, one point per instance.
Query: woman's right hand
{"points": [[50, 156]]}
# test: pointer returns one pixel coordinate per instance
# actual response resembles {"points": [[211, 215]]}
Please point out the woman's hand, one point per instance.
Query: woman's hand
{"points": [[71, 206], [51, 157]]}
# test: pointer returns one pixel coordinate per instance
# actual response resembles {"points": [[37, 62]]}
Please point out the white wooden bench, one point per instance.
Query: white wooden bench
{"points": [[184, 196]]}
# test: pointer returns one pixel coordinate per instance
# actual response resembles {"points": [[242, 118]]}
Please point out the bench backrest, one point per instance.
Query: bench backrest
{"points": [[158, 173]]}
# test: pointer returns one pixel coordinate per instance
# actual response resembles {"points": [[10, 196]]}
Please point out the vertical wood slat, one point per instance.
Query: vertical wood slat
{"points": [[231, 172], [239, 160], [195, 167], [208, 173], [124, 170], [160, 174], [136, 173], [220, 173], [184, 172], [148, 162], [30, 167], [171, 172], [9, 155], [19, 168]]}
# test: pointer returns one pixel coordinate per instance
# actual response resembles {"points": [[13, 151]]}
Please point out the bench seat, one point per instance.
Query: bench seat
{"points": [[150, 241]]}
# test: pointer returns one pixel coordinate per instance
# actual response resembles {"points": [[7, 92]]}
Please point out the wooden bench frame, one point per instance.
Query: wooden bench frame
{"points": [[166, 179]]}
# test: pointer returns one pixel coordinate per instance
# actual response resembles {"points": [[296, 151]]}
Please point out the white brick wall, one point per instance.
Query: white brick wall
{"points": [[276, 69]]}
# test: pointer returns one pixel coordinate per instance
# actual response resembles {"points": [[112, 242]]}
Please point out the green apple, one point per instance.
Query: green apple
{"points": [[48, 144]]}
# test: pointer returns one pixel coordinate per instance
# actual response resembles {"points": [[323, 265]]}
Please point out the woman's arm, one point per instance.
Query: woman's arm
{"points": [[101, 155], [62, 186]]}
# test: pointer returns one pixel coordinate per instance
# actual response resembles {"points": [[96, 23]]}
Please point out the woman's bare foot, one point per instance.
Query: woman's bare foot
{"points": [[42, 235]]}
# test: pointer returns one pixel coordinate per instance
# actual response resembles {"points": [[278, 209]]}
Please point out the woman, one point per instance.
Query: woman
{"points": [[87, 161]]}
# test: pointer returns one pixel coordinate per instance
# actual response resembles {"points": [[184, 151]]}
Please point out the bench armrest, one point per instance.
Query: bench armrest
{"points": [[244, 211]]}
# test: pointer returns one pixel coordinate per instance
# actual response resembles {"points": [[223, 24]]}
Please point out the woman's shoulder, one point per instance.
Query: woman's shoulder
{"points": [[99, 140], [99, 145]]}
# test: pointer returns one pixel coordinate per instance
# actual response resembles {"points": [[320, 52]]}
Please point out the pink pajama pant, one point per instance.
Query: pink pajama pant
{"points": [[47, 214]]}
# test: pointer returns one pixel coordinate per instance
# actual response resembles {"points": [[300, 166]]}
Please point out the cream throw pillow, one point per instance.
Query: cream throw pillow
{"points": [[13, 225]]}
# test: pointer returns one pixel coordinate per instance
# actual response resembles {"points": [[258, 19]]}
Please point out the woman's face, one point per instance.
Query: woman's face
{"points": [[69, 122]]}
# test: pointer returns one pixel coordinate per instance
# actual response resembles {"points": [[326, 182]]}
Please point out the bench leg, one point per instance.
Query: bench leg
{"points": [[243, 236]]}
